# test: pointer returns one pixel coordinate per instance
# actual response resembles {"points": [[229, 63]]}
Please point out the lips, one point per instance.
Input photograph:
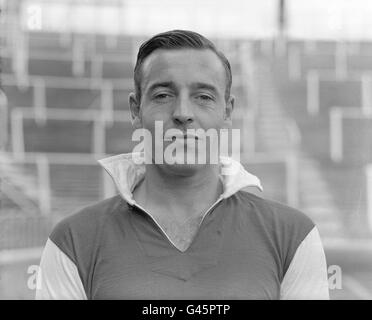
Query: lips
{"points": [[181, 136]]}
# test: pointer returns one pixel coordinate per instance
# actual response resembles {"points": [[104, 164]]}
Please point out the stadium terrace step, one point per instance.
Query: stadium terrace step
{"points": [[120, 99], [339, 93], [54, 67], [23, 231], [20, 183], [123, 45], [362, 62], [317, 199], [75, 186], [274, 135], [58, 136], [46, 41], [75, 98], [18, 96], [117, 69], [272, 131], [356, 140], [266, 120], [273, 178], [5, 65], [313, 196], [319, 211], [119, 138]]}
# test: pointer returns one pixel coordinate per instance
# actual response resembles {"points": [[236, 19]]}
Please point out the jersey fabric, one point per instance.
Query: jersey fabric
{"points": [[246, 248]]}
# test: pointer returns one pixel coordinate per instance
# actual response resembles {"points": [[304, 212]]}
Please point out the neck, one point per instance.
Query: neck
{"points": [[178, 193]]}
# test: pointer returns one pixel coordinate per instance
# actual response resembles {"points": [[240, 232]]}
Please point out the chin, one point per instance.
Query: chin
{"points": [[183, 169]]}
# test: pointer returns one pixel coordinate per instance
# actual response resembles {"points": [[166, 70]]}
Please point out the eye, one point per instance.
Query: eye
{"points": [[204, 97], [162, 96]]}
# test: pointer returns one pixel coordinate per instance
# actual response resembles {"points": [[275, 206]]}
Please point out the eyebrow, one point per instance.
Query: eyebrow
{"points": [[171, 85], [165, 84], [202, 85]]}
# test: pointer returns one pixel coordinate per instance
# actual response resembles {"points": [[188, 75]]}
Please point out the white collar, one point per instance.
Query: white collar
{"points": [[127, 173]]}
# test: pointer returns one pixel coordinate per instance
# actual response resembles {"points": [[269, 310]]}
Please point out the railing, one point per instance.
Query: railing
{"points": [[69, 82], [43, 182], [106, 88], [43, 175], [22, 233], [294, 133], [250, 90], [291, 164], [99, 119], [44, 160], [40, 110], [313, 82], [294, 63], [369, 195], [18, 197], [337, 114], [3, 120], [341, 70]]}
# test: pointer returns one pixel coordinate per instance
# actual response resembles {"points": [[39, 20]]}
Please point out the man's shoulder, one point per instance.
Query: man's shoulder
{"points": [[84, 225], [94, 214], [284, 226], [276, 212]]}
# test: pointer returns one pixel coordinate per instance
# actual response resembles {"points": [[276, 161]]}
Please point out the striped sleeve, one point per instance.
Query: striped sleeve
{"points": [[306, 278], [59, 277]]}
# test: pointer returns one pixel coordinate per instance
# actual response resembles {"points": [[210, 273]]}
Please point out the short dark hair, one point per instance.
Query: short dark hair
{"points": [[178, 39]]}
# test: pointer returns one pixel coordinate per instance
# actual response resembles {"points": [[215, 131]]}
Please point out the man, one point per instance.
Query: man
{"points": [[181, 230]]}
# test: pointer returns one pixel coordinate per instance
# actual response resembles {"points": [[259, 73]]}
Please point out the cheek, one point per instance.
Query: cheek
{"points": [[211, 120], [151, 115]]}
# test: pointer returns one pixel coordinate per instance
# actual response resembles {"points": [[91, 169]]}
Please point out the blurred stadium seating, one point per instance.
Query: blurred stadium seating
{"points": [[67, 107]]}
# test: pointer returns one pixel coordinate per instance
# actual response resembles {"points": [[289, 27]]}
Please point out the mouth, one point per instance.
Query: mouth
{"points": [[185, 136]]}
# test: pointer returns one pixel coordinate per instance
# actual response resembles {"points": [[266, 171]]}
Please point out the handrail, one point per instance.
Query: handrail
{"points": [[4, 117], [367, 92], [18, 142], [9, 188], [294, 132], [336, 114], [98, 117], [44, 160], [72, 114], [93, 82], [369, 192], [330, 75], [23, 202], [43, 174], [68, 56], [71, 82], [250, 90], [59, 158]]}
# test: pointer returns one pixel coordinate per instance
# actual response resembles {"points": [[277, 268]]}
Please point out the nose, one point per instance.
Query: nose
{"points": [[183, 114]]}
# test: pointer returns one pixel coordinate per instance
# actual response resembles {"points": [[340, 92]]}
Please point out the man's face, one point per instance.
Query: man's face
{"points": [[184, 89]]}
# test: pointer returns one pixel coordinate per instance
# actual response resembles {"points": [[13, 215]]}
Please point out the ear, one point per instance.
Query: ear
{"points": [[134, 107], [228, 111]]}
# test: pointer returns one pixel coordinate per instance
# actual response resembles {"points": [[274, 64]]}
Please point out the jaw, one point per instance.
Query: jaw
{"points": [[181, 170]]}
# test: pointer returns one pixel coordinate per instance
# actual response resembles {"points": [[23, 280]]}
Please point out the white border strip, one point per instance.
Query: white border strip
{"points": [[369, 195]]}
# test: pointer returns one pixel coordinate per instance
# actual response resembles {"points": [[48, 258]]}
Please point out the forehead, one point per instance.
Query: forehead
{"points": [[184, 66]]}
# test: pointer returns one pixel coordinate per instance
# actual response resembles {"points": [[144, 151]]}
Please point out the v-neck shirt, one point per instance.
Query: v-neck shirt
{"points": [[242, 250]]}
